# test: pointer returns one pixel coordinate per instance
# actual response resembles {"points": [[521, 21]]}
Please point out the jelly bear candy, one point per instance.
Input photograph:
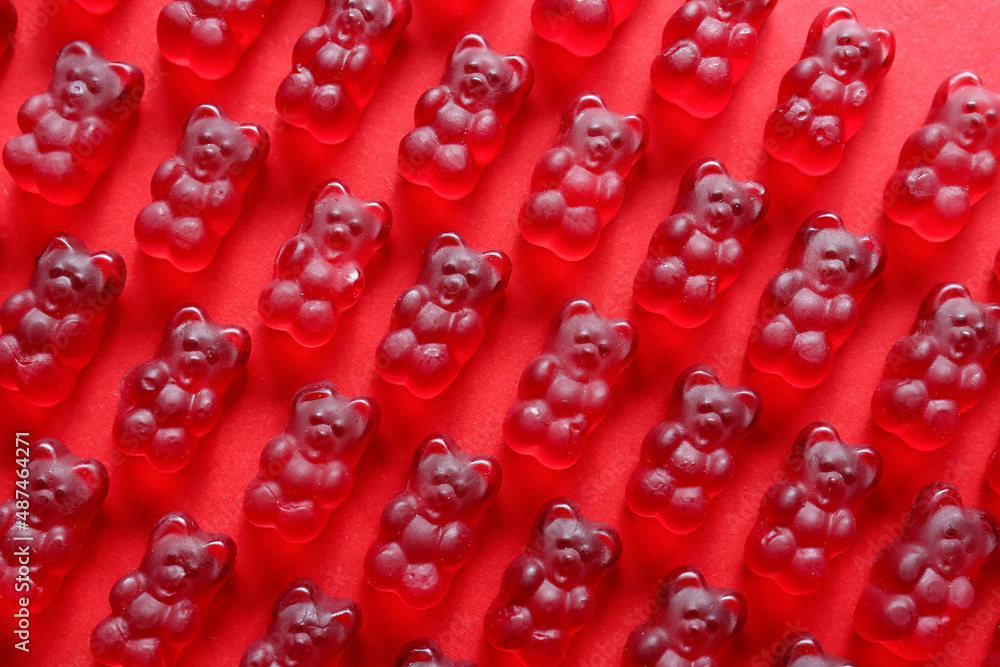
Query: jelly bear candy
{"points": [[698, 251], [52, 329], [937, 372], [950, 163], [807, 517], [318, 272], [428, 532], [707, 47], [8, 22], [198, 193], [810, 308], [460, 122], [98, 6], [547, 594], [427, 653], [209, 36], [579, 185], [687, 459], [47, 517], [824, 98], [158, 609], [171, 401], [992, 658], [71, 131], [920, 586], [308, 629], [582, 28], [438, 324], [802, 649], [337, 66], [691, 623], [308, 469], [565, 392]]}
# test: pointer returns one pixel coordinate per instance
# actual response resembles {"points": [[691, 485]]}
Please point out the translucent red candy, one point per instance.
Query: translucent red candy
{"points": [[937, 372], [438, 324], [427, 653], [52, 329], [8, 22], [460, 122], [171, 401], [158, 609], [824, 98], [809, 309], [807, 517], [308, 469], [59, 498], [920, 586], [71, 131], [428, 531], [318, 273], [209, 36], [698, 251], [565, 392], [198, 193], [687, 459], [98, 6], [802, 649], [579, 185], [548, 594], [582, 28], [337, 65]]}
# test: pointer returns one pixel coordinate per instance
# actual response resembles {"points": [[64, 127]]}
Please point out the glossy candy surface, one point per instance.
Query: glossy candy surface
{"points": [[8, 22], [427, 653], [802, 649], [209, 36], [582, 27]]}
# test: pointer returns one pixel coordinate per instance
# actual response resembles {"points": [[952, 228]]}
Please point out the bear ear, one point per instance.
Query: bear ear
{"points": [[681, 578], [488, 467], [436, 444], [572, 308], [639, 128], [46, 449], [953, 83], [471, 41], [935, 496], [751, 399], [697, 376], [699, 170], [349, 618], [580, 104], [223, 552], [174, 523], [555, 509], [818, 221], [62, 243], [736, 604], [332, 189], [256, 136], [314, 391], [798, 645], [79, 48], [871, 469], [189, 312], [381, 212], [368, 409], [612, 542], [887, 40], [129, 75], [500, 263], [760, 197], [239, 337], [816, 433], [206, 111], [991, 313], [628, 332], [941, 294], [990, 528], [443, 240], [93, 473], [877, 254], [827, 18], [522, 76], [112, 267], [299, 592]]}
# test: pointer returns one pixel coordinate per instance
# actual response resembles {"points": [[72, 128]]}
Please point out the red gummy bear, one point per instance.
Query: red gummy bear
{"points": [[426, 653], [460, 122], [937, 372], [428, 532], [318, 272], [582, 28], [308, 469], [337, 65], [579, 185], [689, 626], [802, 649], [308, 629], [8, 23], [209, 36], [48, 517], [158, 609], [52, 329], [438, 324], [950, 163], [824, 98], [698, 251], [547, 594], [71, 131], [807, 517], [687, 459], [171, 401], [707, 47], [920, 586], [198, 193], [809, 309], [98, 7], [565, 392]]}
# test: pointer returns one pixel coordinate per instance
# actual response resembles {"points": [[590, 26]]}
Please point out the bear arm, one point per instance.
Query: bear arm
{"points": [[522, 578], [857, 95], [538, 376], [294, 255], [579, 606], [610, 191], [278, 451], [984, 171], [842, 527], [912, 355], [923, 146], [409, 304], [456, 542], [430, 103], [782, 501], [784, 287], [672, 235], [206, 408], [398, 514], [359, 72], [971, 386], [799, 79], [55, 545], [467, 328], [485, 136], [149, 380], [719, 469], [907, 562], [552, 167], [166, 175], [14, 308], [126, 589], [32, 111], [182, 618], [596, 397]]}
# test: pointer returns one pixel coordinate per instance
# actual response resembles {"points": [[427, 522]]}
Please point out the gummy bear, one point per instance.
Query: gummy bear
{"points": [[807, 517], [810, 308], [71, 131], [308, 469], [937, 372], [802, 649], [565, 392], [548, 594], [308, 629], [920, 586], [8, 22], [579, 185], [318, 272], [428, 532], [439, 323], [198, 193], [707, 47], [690, 623], [460, 122], [824, 98], [337, 65], [426, 653], [52, 329], [687, 459], [698, 251], [171, 401], [48, 517], [582, 28], [209, 36], [950, 163], [992, 658], [98, 6], [158, 609]]}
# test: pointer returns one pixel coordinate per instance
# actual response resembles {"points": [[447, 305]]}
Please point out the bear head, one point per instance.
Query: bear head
{"points": [[68, 278], [342, 224], [310, 627], [957, 539], [698, 618], [459, 276], [85, 84], [836, 474], [64, 488], [184, 562], [601, 138], [357, 21], [215, 148], [575, 550], [594, 345], [480, 78], [710, 411], [964, 103], [200, 350], [723, 206], [851, 51], [833, 259], [967, 331], [449, 481], [326, 422]]}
